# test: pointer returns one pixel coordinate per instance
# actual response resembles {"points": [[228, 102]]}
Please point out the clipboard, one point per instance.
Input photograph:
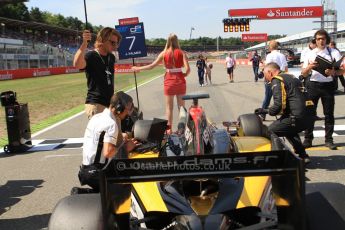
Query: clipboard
{"points": [[324, 64]]}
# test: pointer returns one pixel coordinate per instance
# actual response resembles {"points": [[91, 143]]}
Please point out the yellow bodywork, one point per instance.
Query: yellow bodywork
{"points": [[148, 191], [253, 186], [252, 193]]}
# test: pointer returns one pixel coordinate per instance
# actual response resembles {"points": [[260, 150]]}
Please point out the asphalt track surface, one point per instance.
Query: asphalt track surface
{"points": [[32, 183]]}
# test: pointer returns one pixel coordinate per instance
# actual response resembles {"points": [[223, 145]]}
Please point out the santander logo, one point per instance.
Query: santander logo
{"points": [[270, 14], [291, 13]]}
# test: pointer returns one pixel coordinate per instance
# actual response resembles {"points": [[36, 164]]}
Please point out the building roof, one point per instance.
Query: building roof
{"points": [[37, 26], [307, 34]]}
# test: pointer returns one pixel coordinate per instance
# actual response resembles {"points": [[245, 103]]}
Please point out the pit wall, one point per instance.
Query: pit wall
{"points": [[40, 72]]}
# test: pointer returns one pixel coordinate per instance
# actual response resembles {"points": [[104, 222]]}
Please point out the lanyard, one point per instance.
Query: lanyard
{"points": [[106, 65], [107, 71]]}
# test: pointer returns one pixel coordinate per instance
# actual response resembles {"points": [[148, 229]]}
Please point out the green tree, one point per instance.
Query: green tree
{"points": [[36, 15], [16, 11]]}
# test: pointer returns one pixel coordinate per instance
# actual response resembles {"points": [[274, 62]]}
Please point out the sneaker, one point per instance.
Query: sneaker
{"points": [[317, 118], [331, 145], [74, 191], [307, 143], [77, 190], [232, 81], [262, 116], [305, 157], [200, 85]]}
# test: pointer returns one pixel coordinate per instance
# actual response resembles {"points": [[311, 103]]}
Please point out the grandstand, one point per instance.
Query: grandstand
{"points": [[36, 45]]}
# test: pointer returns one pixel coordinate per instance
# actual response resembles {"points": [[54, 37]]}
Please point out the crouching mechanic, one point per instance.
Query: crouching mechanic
{"points": [[290, 102], [103, 139]]}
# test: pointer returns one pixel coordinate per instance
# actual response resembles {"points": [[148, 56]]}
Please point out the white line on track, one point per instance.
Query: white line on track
{"points": [[62, 155], [78, 114]]}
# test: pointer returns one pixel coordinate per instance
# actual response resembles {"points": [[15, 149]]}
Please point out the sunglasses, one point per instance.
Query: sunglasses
{"points": [[320, 38], [113, 43]]}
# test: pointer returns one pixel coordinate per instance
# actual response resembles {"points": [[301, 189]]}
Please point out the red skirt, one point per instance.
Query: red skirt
{"points": [[174, 84]]}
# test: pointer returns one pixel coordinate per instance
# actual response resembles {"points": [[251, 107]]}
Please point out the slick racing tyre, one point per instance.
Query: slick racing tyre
{"points": [[250, 125], [82, 211]]}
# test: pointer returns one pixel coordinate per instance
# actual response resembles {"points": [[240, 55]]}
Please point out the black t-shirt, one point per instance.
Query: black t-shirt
{"points": [[100, 84], [201, 64], [256, 60]]}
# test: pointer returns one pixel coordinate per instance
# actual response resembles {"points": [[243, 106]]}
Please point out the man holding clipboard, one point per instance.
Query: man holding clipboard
{"points": [[321, 84]]}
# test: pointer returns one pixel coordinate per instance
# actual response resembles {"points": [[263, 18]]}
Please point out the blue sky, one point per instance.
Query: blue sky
{"points": [[162, 17]]}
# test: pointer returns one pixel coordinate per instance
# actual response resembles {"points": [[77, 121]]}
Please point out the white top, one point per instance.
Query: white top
{"points": [[100, 122], [316, 76], [278, 58], [304, 54], [173, 70], [230, 62]]}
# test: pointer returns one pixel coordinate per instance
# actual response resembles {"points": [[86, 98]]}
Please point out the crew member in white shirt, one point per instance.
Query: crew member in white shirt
{"points": [[321, 85], [230, 65], [278, 58], [305, 52], [103, 139]]}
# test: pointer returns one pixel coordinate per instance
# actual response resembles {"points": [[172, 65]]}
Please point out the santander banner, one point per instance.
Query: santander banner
{"points": [[279, 13], [254, 37], [35, 72]]}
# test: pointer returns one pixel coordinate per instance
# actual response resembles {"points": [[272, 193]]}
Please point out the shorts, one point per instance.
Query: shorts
{"points": [[230, 70], [89, 175], [92, 109]]}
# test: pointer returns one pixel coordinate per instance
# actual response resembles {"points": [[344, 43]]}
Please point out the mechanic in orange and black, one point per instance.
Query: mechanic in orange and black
{"points": [[289, 102]]}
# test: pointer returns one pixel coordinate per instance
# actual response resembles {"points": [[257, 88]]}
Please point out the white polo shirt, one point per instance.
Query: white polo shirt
{"points": [[316, 76], [100, 122], [277, 57], [304, 54], [230, 62]]}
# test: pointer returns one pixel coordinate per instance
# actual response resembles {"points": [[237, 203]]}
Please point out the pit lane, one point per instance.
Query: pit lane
{"points": [[32, 183]]}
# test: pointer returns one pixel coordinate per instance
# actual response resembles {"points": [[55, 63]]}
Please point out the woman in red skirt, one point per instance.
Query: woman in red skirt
{"points": [[174, 59]]}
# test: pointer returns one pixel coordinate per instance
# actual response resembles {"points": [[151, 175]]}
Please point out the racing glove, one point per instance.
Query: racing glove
{"points": [[261, 111]]}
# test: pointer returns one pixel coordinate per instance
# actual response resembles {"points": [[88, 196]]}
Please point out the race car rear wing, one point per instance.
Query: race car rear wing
{"points": [[206, 166], [286, 170]]}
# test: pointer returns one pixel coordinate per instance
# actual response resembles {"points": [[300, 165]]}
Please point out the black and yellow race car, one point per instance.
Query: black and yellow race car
{"points": [[201, 177]]}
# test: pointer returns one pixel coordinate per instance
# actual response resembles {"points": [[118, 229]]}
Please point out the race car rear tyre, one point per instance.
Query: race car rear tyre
{"points": [[250, 124], [81, 211]]}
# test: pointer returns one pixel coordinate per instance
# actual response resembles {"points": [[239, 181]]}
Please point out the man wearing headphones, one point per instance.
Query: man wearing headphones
{"points": [[321, 85], [103, 139]]}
